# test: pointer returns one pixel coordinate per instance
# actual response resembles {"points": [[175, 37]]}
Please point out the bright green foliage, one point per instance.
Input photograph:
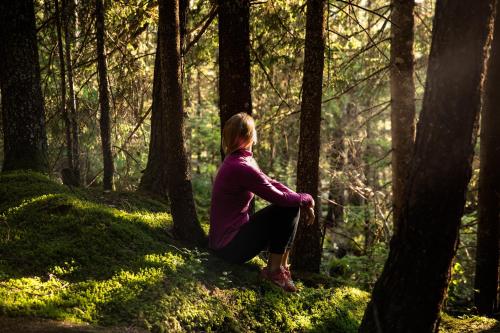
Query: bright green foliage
{"points": [[64, 256]]}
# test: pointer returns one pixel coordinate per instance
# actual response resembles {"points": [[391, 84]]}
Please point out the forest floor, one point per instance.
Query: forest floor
{"points": [[75, 260]]}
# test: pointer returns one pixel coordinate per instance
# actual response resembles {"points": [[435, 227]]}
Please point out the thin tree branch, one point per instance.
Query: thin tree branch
{"points": [[371, 11], [356, 84], [268, 77], [208, 20]]}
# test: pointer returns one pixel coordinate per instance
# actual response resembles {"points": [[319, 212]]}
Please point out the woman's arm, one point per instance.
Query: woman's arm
{"points": [[278, 185], [254, 180], [275, 183]]}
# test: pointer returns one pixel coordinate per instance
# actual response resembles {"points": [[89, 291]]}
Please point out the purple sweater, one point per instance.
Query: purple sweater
{"points": [[238, 178]]}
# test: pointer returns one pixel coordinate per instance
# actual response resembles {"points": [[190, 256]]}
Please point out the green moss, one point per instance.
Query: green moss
{"points": [[467, 324], [66, 256]]}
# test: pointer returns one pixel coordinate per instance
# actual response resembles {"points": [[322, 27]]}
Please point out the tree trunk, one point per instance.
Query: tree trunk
{"points": [[234, 59], [486, 277], [307, 249], [23, 115], [104, 121], [154, 179], [68, 26], [183, 16], [370, 226], [410, 291], [402, 98], [64, 110], [335, 212], [180, 190]]}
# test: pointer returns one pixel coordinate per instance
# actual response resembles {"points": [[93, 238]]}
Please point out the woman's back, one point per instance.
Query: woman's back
{"points": [[230, 200], [238, 179]]}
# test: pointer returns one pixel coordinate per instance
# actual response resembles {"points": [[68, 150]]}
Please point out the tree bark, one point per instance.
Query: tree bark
{"points": [[23, 115], [402, 98], [154, 179], [64, 110], [486, 277], [307, 249], [68, 27], [409, 294], [234, 59], [186, 225], [335, 212], [183, 16], [104, 120]]}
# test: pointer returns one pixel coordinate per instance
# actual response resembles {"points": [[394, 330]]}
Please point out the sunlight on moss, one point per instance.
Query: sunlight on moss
{"points": [[82, 301], [466, 324], [258, 261], [170, 260], [47, 198], [152, 219], [68, 256]]}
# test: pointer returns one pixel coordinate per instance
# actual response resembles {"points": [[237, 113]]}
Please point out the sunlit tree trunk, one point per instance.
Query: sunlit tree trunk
{"points": [[23, 115], [234, 59], [186, 225], [307, 249], [409, 294], [402, 98], [486, 277], [104, 120]]}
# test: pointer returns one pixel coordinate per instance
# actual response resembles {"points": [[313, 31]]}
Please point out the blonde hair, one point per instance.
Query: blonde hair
{"points": [[239, 131]]}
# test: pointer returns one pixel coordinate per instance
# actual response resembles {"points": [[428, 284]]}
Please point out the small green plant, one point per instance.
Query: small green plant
{"points": [[359, 271]]}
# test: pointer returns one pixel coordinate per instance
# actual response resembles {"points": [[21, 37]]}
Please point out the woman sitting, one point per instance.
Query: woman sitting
{"points": [[234, 235]]}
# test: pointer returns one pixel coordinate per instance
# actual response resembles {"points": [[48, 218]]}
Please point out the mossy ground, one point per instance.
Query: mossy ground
{"points": [[107, 259]]}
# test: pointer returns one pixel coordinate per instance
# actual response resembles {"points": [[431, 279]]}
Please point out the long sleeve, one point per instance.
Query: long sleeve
{"points": [[279, 185], [254, 180]]}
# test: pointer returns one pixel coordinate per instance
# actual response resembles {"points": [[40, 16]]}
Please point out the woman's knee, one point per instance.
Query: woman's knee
{"points": [[288, 216], [289, 211]]}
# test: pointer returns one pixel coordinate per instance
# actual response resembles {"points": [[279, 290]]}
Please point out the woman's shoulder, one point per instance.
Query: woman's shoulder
{"points": [[239, 164]]}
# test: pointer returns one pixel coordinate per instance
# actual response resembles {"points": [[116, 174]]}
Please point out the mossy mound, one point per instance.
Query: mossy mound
{"points": [[468, 324], [64, 255]]}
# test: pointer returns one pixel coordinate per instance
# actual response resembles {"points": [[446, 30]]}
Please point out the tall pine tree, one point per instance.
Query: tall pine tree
{"points": [[402, 98], [307, 249], [234, 59], [409, 294], [23, 115], [488, 229], [69, 27], [186, 225], [104, 120]]}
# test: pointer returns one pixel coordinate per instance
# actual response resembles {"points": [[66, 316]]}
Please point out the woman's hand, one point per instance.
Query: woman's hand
{"points": [[309, 215], [311, 205]]}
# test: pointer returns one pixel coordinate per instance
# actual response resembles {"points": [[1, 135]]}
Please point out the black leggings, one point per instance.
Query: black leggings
{"points": [[273, 227]]}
